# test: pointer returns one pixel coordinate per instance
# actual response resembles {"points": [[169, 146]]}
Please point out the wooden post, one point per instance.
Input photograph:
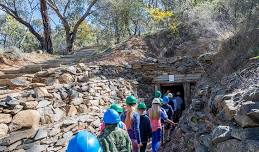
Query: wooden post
{"points": [[157, 87], [187, 93]]}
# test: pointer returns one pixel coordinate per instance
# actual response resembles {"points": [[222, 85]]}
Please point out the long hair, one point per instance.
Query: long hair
{"points": [[154, 111], [129, 116]]}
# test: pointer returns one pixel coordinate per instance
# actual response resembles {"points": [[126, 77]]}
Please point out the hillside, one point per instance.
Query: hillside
{"points": [[62, 99], [223, 115]]}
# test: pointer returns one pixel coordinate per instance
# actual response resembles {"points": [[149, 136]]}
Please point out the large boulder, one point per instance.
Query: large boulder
{"points": [[25, 119]]}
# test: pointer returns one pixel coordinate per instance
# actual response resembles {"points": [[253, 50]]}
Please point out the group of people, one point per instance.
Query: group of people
{"points": [[132, 129]]}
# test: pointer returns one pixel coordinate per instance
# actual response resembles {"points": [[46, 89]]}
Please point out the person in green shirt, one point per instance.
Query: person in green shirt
{"points": [[114, 139]]}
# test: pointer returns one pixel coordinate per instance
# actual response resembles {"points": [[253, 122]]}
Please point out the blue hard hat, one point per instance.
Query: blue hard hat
{"points": [[84, 141], [111, 117], [165, 99]]}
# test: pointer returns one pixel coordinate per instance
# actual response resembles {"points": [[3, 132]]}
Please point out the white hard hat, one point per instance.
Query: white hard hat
{"points": [[156, 101], [170, 95]]}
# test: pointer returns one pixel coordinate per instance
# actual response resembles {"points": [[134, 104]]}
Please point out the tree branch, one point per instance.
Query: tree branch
{"points": [[66, 7], [64, 21], [88, 12], [15, 15]]}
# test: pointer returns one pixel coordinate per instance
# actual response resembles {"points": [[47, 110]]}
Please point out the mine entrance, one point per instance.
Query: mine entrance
{"points": [[173, 88]]}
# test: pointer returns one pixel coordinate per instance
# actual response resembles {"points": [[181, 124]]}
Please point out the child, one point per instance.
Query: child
{"points": [[113, 138], [119, 109], [84, 141], [145, 126], [132, 119], [169, 111], [156, 114]]}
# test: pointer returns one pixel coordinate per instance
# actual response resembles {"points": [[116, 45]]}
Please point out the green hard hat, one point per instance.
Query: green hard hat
{"points": [[161, 100], [142, 105], [117, 107], [131, 100], [158, 94]]}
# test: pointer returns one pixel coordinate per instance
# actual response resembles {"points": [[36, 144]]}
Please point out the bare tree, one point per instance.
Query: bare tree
{"points": [[14, 13], [69, 30], [11, 9]]}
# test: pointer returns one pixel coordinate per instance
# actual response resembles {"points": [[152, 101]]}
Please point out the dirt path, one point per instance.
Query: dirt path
{"points": [[45, 63]]}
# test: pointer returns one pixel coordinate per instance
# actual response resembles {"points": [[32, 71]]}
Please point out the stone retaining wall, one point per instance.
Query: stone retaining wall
{"points": [[42, 111]]}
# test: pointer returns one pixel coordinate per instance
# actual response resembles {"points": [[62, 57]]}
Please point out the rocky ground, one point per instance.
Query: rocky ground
{"points": [[224, 114], [42, 111]]}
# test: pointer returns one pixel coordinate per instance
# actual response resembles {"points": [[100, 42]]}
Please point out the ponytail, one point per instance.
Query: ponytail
{"points": [[154, 112], [129, 116]]}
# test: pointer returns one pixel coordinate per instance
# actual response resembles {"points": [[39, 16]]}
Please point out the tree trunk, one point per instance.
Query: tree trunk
{"points": [[70, 32], [46, 26], [70, 38], [117, 30], [5, 38], [18, 18], [70, 43]]}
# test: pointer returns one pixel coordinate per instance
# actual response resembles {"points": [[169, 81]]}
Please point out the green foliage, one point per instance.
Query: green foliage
{"points": [[160, 15], [114, 21], [195, 119], [17, 34], [86, 35], [257, 57]]}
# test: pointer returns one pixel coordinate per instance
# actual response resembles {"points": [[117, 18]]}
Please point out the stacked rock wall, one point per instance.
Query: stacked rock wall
{"points": [[223, 115], [42, 111]]}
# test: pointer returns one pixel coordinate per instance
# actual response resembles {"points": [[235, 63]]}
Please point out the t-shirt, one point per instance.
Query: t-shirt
{"points": [[172, 103], [145, 128], [133, 132], [156, 123], [179, 102], [114, 139], [169, 111]]}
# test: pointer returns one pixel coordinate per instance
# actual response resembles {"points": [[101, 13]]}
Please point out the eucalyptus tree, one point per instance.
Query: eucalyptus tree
{"points": [[24, 11], [119, 19], [71, 14]]}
